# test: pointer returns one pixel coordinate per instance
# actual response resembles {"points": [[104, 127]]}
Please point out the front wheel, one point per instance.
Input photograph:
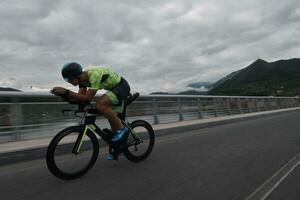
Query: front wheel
{"points": [[140, 141], [61, 160]]}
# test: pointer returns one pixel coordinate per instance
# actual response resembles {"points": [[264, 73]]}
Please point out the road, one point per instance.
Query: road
{"points": [[218, 163]]}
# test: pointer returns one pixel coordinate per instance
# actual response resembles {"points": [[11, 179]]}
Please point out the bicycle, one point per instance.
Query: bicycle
{"points": [[82, 144]]}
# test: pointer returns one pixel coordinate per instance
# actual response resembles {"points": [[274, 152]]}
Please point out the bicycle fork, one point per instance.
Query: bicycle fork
{"points": [[79, 140]]}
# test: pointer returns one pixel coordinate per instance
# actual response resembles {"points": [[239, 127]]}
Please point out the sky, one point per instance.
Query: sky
{"points": [[158, 45]]}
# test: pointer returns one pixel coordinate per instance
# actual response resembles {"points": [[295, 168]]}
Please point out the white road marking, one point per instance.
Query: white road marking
{"points": [[272, 183]]}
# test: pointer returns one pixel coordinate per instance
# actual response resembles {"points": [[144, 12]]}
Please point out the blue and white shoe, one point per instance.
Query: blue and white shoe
{"points": [[111, 157], [119, 134]]}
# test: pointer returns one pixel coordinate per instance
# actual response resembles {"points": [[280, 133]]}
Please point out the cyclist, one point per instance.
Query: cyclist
{"points": [[89, 82]]}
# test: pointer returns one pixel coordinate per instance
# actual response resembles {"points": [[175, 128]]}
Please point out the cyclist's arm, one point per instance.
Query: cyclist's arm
{"points": [[82, 90], [90, 93]]}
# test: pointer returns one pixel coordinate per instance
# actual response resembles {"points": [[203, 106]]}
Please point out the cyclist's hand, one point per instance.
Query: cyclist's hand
{"points": [[59, 91]]}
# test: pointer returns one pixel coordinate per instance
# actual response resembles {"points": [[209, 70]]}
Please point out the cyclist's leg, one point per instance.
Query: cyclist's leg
{"points": [[118, 94], [104, 106]]}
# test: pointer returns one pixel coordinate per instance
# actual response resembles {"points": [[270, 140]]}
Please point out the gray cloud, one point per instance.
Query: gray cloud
{"points": [[157, 45]]}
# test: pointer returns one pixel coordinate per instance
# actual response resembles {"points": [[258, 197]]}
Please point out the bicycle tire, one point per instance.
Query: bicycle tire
{"points": [[151, 136], [50, 155]]}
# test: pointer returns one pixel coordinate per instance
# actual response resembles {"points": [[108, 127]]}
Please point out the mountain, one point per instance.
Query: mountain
{"points": [[262, 78], [228, 77], [192, 92], [9, 89]]}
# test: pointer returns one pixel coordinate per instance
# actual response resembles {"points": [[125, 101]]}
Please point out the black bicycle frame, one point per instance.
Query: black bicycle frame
{"points": [[88, 124]]}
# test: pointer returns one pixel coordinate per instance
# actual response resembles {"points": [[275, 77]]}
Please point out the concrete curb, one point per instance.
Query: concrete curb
{"points": [[7, 158]]}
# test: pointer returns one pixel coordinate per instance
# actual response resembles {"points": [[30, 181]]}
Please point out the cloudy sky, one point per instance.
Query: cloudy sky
{"points": [[158, 45]]}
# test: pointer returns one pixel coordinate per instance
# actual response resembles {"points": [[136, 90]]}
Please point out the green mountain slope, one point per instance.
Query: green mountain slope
{"points": [[261, 78]]}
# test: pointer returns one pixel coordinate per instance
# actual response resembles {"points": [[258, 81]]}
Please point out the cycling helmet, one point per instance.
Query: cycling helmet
{"points": [[71, 71]]}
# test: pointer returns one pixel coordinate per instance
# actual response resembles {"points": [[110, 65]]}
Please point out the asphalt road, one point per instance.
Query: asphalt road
{"points": [[218, 163]]}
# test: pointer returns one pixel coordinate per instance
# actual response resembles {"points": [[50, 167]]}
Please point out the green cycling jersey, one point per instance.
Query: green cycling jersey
{"points": [[103, 78]]}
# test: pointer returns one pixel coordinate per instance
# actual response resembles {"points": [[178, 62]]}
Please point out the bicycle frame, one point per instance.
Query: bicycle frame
{"points": [[88, 124]]}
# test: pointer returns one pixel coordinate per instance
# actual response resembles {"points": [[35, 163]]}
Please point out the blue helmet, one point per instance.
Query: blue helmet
{"points": [[71, 71]]}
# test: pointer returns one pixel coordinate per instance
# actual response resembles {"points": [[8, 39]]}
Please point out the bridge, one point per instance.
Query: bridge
{"points": [[207, 147]]}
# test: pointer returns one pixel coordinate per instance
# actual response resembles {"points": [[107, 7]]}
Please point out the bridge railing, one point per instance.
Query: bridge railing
{"points": [[28, 115]]}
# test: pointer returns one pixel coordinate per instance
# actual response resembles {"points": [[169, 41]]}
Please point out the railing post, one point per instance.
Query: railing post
{"points": [[293, 103], [269, 104], [156, 112], [286, 103], [199, 108], [265, 105], [272, 106], [298, 102], [257, 105], [248, 105], [282, 103], [239, 106], [180, 109], [228, 106], [16, 118], [215, 107], [278, 102], [266, 101]]}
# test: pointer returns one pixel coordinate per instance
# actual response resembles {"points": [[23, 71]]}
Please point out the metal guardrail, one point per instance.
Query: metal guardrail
{"points": [[28, 115]]}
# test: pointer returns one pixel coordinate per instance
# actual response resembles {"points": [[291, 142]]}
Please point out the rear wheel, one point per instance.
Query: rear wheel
{"points": [[139, 142], [62, 162]]}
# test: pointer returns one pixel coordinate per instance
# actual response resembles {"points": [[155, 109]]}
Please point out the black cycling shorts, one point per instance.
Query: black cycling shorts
{"points": [[122, 90]]}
